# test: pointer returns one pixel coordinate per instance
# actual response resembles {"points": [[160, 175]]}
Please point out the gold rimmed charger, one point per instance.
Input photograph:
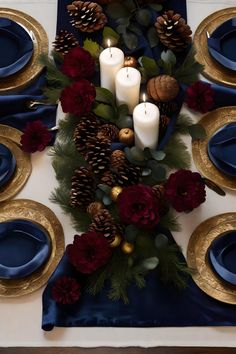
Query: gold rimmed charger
{"points": [[28, 74], [22, 171], [10, 133], [36, 212], [212, 122], [197, 257], [212, 69]]}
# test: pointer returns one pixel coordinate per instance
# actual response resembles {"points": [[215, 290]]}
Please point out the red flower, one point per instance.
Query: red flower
{"points": [[185, 190], [78, 98], [78, 64], [199, 97], [66, 290], [138, 205], [89, 252], [35, 137]]}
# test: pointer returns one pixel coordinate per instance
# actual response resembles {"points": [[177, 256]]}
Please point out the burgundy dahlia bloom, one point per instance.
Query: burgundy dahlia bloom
{"points": [[35, 137], [66, 290], [89, 252], [78, 97], [137, 205], [200, 97], [185, 190], [78, 64]]}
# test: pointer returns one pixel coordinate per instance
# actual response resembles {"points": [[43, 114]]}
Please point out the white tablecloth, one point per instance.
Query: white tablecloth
{"points": [[20, 318]]}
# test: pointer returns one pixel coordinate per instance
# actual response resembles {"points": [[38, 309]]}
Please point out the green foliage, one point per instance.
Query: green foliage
{"points": [[109, 33], [183, 123], [105, 111], [197, 132], [92, 47], [149, 65], [177, 155], [170, 221], [54, 76]]}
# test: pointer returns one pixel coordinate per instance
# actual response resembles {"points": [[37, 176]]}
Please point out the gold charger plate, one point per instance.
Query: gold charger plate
{"points": [[212, 69], [197, 258], [33, 211], [21, 174], [26, 75], [211, 122], [10, 133]]}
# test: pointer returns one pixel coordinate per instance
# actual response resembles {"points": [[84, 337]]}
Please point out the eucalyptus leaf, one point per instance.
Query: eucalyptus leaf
{"points": [[131, 159], [197, 132], [158, 155], [125, 122], [123, 21], [123, 110], [99, 194], [168, 57], [121, 29], [158, 171], [105, 96], [105, 188], [144, 75], [106, 200], [146, 172], [105, 111], [150, 65], [156, 7], [143, 17], [137, 153], [150, 263], [130, 5], [133, 28], [161, 241], [152, 36], [117, 10], [131, 232], [147, 153], [189, 70], [130, 40]]}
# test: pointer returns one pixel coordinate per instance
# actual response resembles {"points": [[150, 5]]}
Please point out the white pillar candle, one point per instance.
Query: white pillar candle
{"points": [[111, 61], [146, 117], [128, 82]]}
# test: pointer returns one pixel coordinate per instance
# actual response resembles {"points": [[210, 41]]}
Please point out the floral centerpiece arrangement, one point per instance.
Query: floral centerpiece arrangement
{"points": [[122, 197]]}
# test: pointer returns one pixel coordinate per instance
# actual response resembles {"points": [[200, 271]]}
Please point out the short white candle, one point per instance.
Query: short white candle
{"points": [[111, 61], [128, 82], [146, 117]]}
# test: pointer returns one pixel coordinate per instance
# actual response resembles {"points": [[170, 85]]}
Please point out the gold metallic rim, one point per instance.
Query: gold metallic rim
{"points": [[27, 75], [197, 258], [10, 133], [212, 69], [21, 174], [212, 122], [33, 211]]}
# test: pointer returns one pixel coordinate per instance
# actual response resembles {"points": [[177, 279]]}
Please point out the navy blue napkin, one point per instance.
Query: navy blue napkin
{"points": [[7, 165], [222, 149], [32, 241]]}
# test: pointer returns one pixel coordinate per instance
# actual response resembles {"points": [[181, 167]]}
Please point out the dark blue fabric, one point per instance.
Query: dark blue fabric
{"points": [[24, 247], [222, 149], [221, 254], [7, 165]]}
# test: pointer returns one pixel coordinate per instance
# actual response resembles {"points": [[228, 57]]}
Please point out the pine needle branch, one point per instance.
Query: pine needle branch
{"points": [[177, 155], [183, 123]]}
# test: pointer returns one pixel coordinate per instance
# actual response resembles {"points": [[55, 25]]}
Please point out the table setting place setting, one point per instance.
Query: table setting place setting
{"points": [[145, 134]]}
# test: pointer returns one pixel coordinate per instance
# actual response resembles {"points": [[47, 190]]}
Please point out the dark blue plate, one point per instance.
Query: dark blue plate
{"points": [[7, 165], [222, 43], [222, 149], [24, 247], [16, 47], [222, 256]]}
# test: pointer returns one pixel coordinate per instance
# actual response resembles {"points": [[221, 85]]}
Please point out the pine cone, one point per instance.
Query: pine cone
{"points": [[103, 222], [87, 16], [109, 131], [64, 41], [118, 158], [94, 208], [108, 178], [173, 31], [86, 129], [167, 108], [128, 174], [98, 155], [164, 121], [82, 188], [162, 88], [158, 191]]}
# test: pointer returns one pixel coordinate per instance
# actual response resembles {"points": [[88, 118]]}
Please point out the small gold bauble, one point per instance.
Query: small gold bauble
{"points": [[127, 247], [94, 208], [130, 61], [115, 191], [116, 242], [126, 136]]}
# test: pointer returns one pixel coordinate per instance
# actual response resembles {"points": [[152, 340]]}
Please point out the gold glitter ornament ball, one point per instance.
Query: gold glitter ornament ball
{"points": [[116, 242], [126, 136], [131, 62], [115, 192], [127, 247]]}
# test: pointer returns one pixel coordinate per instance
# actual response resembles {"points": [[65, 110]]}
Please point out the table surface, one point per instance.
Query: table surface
{"points": [[20, 322]]}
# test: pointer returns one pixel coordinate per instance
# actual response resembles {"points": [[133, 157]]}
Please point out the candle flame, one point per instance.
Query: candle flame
{"points": [[144, 97], [108, 43], [144, 100]]}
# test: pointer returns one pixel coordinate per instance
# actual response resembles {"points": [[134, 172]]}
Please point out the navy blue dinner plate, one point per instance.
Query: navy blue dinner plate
{"points": [[222, 149], [24, 247], [222, 256], [222, 44], [7, 164], [16, 47]]}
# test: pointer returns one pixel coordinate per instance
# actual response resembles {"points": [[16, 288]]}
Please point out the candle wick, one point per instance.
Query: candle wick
{"points": [[145, 111], [110, 52], [127, 71]]}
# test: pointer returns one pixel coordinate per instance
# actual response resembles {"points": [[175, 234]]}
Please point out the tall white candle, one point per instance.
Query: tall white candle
{"points": [[128, 82], [146, 117], [111, 61]]}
